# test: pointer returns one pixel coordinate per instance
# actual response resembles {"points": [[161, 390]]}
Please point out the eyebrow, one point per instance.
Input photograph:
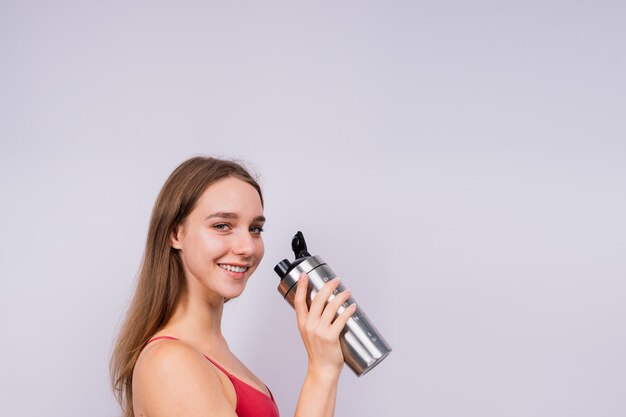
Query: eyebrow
{"points": [[227, 215]]}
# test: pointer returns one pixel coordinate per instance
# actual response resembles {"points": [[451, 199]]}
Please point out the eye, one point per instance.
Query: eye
{"points": [[222, 227], [256, 230]]}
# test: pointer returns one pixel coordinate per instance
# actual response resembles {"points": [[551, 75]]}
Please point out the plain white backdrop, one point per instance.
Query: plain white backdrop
{"points": [[461, 165]]}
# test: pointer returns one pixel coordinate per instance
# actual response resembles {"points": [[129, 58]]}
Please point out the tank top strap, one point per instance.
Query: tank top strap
{"points": [[219, 366], [161, 337], [238, 383]]}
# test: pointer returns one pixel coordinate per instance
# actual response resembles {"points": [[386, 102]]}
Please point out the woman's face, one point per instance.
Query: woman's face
{"points": [[220, 242]]}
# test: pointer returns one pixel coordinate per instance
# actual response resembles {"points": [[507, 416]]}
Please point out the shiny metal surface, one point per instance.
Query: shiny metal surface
{"points": [[362, 345]]}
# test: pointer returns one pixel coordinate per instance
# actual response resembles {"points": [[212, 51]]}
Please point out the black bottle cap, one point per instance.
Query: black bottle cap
{"points": [[282, 268], [298, 245]]}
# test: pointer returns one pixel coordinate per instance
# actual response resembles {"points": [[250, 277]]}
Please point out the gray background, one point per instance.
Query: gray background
{"points": [[462, 165]]}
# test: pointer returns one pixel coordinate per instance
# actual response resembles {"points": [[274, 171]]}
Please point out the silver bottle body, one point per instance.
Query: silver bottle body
{"points": [[362, 345]]}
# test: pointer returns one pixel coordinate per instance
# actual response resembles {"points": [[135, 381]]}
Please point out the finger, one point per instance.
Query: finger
{"points": [[342, 319], [318, 303], [299, 301], [331, 309]]}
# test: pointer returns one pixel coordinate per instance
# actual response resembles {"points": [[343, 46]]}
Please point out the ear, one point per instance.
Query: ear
{"points": [[176, 237]]}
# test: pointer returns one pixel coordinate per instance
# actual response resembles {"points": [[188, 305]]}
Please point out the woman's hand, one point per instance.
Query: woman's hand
{"points": [[319, 333]]}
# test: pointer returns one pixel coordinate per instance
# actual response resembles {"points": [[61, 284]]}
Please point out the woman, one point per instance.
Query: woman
{"points": [[204, 242]]}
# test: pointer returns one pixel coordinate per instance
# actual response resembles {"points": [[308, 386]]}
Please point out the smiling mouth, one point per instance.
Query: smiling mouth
{"points": [[233, 268]]}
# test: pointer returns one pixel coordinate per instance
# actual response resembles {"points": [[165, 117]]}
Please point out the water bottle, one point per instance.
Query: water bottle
{"points": [[362, 345]]}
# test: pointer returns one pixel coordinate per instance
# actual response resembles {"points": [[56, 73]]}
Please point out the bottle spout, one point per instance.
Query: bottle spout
{"points": [[298, 245], [282, 268]]}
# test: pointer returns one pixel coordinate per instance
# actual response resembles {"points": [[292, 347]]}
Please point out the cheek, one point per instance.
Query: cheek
{"points": [[260, 249], [214, 247], [206, 247]]}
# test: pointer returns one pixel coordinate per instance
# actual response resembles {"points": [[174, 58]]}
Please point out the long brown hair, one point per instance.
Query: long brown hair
{"points": [[161, 277]]}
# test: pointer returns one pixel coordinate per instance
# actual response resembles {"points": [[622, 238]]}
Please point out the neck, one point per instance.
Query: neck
{"points": [[198, 318]]}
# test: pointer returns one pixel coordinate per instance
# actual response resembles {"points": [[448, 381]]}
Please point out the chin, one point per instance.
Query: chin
{"points": [[233, 293]]}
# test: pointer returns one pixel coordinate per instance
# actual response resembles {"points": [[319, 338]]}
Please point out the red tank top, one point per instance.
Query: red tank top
{"points": [[250, 401]]}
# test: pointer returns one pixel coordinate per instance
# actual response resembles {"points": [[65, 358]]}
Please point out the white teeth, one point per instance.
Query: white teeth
{"points": [[234, 268]]}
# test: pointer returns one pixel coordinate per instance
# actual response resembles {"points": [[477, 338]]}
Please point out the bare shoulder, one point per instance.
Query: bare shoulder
{"points": [[171, 378]]}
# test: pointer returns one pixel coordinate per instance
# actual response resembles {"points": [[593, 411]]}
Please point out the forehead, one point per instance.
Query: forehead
{"points": [[230, 195]]}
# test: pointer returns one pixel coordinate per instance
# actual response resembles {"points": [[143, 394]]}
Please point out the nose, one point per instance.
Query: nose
{"points": [[243, 244]]}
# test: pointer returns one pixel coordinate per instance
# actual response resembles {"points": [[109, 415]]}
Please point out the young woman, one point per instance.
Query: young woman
{"points": [[204, 242]]}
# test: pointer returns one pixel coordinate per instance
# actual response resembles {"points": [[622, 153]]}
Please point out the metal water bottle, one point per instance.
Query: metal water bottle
{"points": [[362, 345]]}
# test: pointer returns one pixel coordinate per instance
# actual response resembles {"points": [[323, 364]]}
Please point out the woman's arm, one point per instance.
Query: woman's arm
{"points": [[321, 339]]}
